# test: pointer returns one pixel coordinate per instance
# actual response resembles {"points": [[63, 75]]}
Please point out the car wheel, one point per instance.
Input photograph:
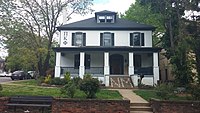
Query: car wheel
{"points": [[12, 78]]}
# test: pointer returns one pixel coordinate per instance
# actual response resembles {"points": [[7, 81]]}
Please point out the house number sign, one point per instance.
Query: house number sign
{"points": [[65, 38]]}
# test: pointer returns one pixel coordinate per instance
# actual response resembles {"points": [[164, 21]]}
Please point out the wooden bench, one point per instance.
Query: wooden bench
{"points": [[30, 101]]}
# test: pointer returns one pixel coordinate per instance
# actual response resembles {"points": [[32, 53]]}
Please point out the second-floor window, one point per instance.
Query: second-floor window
{"points": [[107, 39], [78, 39], [136, 39]]}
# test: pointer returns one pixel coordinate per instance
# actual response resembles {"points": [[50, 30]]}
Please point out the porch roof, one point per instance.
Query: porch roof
{"points": [[100, 48]]}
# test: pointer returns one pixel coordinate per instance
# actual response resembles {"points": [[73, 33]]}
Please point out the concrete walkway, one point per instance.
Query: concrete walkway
{"points": [[129, 94]]}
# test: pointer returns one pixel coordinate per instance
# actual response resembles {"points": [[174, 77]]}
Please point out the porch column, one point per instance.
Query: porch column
{"points": [[155, 68], [58, 63], [134, 77], [106, 68], [131, 66], [82, 67]]}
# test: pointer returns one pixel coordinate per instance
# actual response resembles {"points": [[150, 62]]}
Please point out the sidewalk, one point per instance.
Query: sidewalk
{"points": [[129, 94]]}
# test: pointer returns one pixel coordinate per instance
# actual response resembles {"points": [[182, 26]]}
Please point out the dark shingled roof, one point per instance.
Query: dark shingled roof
{"points": [[91, 24]]}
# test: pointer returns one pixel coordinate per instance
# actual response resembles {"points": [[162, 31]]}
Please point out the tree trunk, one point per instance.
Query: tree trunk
{"points": [[46, 62]]}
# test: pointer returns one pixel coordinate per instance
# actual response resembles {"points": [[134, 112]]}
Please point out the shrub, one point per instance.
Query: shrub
{"points": [[77, 81], [40, 80], [67, 76], [195, 92], [90, 86], [47, 79], [58, 81], [69, 89], [164, 91]]}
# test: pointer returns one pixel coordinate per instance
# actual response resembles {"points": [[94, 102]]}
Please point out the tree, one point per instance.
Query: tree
{"points": [[167, 15], [40, 18], [143, 14], [193, 29]]}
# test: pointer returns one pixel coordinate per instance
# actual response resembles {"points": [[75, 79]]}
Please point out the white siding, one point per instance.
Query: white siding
{"points": [[122, 38]]}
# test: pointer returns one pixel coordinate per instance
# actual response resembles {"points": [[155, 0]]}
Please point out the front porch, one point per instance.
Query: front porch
{"points": [[105, 64]]}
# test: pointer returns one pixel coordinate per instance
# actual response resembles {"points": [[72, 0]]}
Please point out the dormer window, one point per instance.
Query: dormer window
{"points": [[102, 19], [106, 19]]}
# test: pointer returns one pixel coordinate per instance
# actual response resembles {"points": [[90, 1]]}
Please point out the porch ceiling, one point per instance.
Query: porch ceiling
{"points": [[99, 48]]}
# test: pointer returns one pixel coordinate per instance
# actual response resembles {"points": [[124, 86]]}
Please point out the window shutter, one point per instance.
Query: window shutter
{"points": [[84, 39], [131, 39], [142, 39], [112, 38], [101, 39], [73, 37]]}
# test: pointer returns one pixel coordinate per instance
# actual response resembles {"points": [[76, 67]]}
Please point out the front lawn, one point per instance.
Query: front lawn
{"points": [[148, 94], [30, 88]]}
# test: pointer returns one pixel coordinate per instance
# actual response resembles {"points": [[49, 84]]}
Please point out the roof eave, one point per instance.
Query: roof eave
{"points": [[103, 28]]}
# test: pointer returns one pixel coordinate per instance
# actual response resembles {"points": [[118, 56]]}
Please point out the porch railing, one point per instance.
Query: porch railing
{"points": [[144, 70], [95, 71]]}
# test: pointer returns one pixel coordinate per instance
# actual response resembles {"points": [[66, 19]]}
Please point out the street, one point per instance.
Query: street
{"points": [[4, 79]]}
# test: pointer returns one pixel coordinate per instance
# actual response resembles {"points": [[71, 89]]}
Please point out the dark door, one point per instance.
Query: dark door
{"points": [[116, 64]]}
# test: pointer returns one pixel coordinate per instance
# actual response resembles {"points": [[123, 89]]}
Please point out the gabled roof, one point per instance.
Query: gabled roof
{"points": [[119, 24]]}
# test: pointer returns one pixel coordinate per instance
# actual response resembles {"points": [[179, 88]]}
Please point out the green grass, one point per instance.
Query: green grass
{"points": [[30, 88], [27, 82], [148, 94]]}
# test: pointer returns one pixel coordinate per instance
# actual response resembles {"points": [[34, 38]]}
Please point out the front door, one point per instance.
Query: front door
{"points": [[116, 64]]}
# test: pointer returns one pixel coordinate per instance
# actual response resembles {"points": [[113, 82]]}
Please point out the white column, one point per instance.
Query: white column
{"points": [[106, 68], [131, 66], [133, 76], [58, 63], [155, 68], [81, 66]]}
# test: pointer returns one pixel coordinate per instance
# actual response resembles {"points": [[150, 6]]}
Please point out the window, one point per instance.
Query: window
{"points": [[136, 39], [106, 19], [102, 19], [109, 19], [78, 39], [107, 39], [77, 61]]}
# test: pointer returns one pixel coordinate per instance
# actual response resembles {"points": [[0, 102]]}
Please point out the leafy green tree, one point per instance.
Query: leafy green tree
{"points": [[144, 14], [167, 15], [193, 29], [40, 19]]}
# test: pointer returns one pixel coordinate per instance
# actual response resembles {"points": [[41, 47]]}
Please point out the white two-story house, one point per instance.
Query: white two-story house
{"points": [[106, 46]]}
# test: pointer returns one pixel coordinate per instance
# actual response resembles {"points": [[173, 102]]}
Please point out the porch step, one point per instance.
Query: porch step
{"points": [[120, 82], [140, 108]]}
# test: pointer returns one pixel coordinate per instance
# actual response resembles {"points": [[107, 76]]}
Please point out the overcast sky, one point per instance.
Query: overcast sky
{"points": [[119, 6]]}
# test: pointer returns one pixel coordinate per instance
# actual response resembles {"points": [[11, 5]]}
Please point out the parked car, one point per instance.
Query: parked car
{"points": [[20, 75], [5, 74], [33, 74]]}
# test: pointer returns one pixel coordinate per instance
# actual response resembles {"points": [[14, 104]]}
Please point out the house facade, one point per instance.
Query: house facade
{"points": [[106, 46]]}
